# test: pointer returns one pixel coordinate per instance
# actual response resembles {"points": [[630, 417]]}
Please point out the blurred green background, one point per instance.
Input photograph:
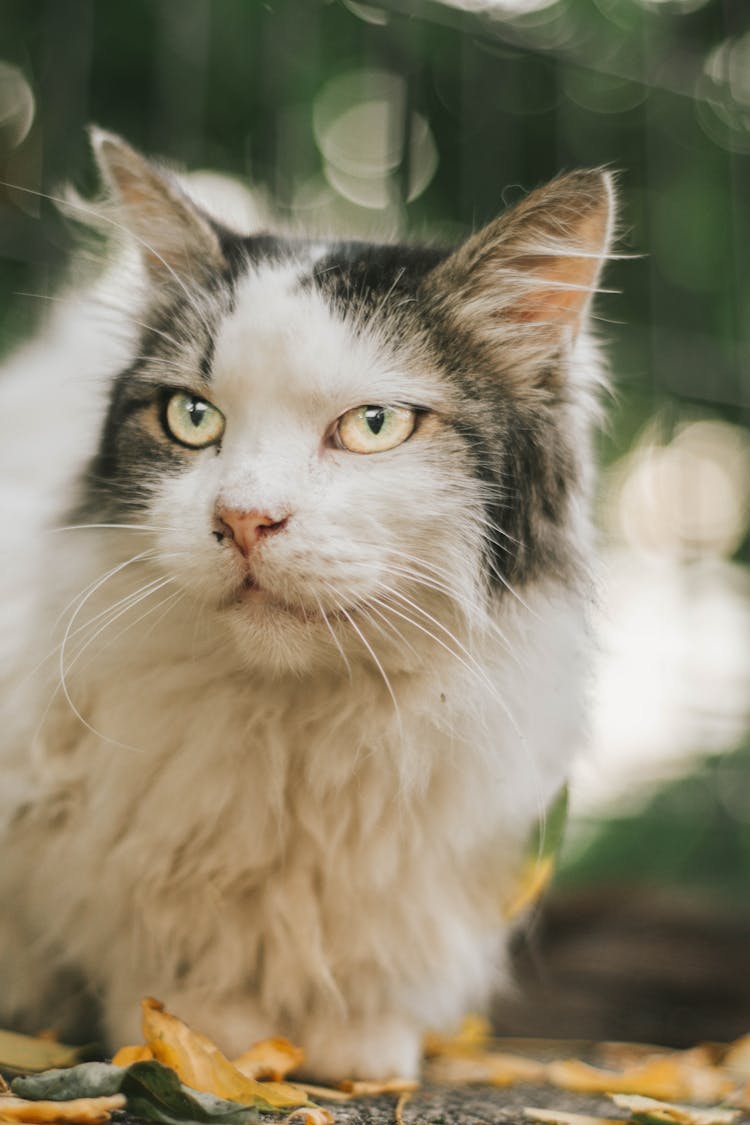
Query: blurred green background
{"points": [[424, 119]]}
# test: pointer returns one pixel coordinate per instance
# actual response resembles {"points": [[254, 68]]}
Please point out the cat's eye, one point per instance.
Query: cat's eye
{"points": [[374, 429], [192, 421]]}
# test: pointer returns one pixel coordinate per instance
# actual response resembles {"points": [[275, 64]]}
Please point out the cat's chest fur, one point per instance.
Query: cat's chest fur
{"points": [[271, 831]]}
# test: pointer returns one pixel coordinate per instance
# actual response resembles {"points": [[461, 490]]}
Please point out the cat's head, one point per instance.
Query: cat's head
{"points": [[345, 450]]}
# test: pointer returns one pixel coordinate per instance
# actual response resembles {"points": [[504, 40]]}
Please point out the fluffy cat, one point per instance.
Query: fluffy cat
{"points": [[295, 572]]}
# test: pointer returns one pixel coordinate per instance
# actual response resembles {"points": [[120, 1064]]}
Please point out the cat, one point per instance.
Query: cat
{"points": [[296, 568]]}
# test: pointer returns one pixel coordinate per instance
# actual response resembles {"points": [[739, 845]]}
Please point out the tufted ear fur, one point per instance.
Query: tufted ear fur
{"points": [[176, 240], [527, 279]]}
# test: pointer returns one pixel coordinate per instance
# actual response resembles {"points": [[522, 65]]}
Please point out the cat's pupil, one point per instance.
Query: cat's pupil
{"points": [[196, 410], [375, 416]]}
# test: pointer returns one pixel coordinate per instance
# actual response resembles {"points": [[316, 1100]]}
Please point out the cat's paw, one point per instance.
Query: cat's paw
{"points": [[382, 1048]]}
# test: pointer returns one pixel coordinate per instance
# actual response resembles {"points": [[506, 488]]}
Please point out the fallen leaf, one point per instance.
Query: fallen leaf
{"points": [[561, 1117], [270, 1059], [84, 1111], [649, 1110], [22, 1054], [737, 1057], [365, 1088], [127, 1055], [495, 1067], [311, 1115], [87, 1080], [152, 1091], [474, 1034], [666, 1077], [155, 1093], [398, 1110], [325, 1092], [200, 1064]]}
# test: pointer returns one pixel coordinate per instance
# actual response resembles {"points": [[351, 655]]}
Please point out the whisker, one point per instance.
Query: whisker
{"points": [[334, 638], [344, 612], [131, 624], [111, 526], [114, 613], [471, 665]]}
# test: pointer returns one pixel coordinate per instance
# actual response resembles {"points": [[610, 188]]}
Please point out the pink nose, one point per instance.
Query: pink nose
{"points": [[245, 528]]}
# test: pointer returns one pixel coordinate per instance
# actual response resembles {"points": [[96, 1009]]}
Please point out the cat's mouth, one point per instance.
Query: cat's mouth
{"points": [[251, 593]]}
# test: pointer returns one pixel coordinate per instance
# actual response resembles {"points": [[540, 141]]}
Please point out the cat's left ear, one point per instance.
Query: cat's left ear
{"points": [[528, 277], [176, 240]]}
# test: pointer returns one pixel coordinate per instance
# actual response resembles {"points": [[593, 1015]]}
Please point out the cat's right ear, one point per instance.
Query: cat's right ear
{"points": [[521, 288], [176, 241]]}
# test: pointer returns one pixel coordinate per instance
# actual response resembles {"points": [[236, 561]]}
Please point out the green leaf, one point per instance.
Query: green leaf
{"points": [[87, 1080], [21, 1054], [155, 1093]]}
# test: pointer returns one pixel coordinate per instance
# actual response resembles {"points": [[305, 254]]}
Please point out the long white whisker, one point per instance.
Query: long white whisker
{"points": [[471, 665], [391, 628], [111, 526], [334, 638], [345, 613], [98, 582], [113, 613], [131, 624]]}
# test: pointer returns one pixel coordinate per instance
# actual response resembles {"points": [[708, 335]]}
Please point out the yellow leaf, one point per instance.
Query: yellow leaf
{"points": [[667, 1113], [737, 1058], [270, 1058], [496, 1067], [669, 1077], [473, 1035], [363, 1089], [325, 1092], [200, 1064], [82, 1111], [533, 882], [127, 1055], [312, 1115], [24, 1054]]}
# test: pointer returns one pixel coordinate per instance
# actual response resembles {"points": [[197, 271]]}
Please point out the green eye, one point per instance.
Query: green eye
{"points": [[193, 421], [373, 429]]}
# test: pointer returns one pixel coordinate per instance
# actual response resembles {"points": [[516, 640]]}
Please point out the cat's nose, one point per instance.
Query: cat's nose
{"points": [[246, 528]]}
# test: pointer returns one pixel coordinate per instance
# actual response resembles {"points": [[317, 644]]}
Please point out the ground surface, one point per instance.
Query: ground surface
{"points": [[460, 1105]]}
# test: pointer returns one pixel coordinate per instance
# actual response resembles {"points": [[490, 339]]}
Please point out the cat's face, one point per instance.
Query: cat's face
{"points": [[338, 455]]}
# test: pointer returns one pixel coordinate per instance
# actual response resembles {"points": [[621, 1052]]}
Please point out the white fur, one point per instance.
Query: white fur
{"points": [[274, 825]]}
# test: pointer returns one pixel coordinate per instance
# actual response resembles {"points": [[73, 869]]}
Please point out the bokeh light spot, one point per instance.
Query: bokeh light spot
{"points": [[360, 125], [17, 106]]}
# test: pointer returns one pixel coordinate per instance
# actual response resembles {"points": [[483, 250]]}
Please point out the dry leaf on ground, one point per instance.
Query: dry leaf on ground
{"points": [[127, 1055], [24, 1054], [495, 1067], [200, 1064], [364, 1088], [270, 1059], [649, 1110], [326, 1092], [311, 1115], [737, 1057], [474, 1034], [669, 1078], [82, 1111]]}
